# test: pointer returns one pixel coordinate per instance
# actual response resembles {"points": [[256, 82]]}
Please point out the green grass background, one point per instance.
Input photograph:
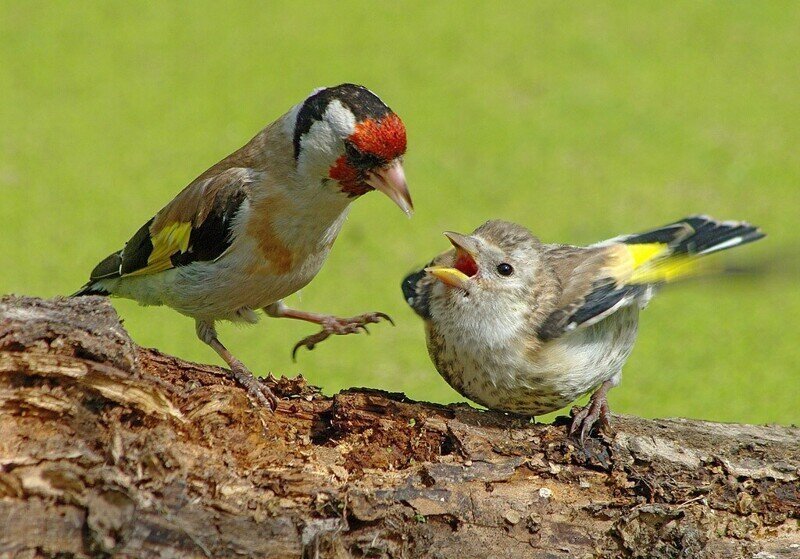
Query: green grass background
{"points": [[581, 120]]}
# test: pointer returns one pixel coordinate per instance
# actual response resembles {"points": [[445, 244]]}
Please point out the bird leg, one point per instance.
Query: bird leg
{"points": [[597, 410], [331, 325], [257, 391]]}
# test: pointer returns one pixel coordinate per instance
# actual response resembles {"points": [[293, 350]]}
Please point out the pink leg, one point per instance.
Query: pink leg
{"points": [[597, 410], [331, 325], [258, 391]]}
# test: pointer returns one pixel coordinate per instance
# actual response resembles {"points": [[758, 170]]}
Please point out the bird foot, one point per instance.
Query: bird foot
{"points": [[332, 325], [584, 419], [259, 393]]}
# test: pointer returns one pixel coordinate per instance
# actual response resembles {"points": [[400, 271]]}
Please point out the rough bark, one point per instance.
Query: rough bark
{"points": [[107, 448]]}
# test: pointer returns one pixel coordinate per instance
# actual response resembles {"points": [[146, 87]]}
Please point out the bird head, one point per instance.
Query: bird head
{"points": [[346, 139], [499, 260]]}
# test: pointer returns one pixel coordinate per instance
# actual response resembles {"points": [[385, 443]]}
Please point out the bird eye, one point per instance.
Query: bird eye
{"points": [[360, 159], [505, 269]]}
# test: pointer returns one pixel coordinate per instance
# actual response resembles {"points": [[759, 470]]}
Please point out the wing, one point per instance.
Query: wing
{"points": [[592, 287], [417, 286], [601, 279], [195, 226], [596, 282]]}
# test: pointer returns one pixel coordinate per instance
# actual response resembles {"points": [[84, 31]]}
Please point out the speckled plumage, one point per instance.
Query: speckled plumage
{"points": [[534, 382], [562, 322]]}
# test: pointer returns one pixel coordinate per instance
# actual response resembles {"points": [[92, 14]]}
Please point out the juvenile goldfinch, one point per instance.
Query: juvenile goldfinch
{"points": [[525, 327], [258, 226]]}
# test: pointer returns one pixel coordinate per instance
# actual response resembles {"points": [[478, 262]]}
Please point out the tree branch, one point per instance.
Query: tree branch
{"points": [[107, 448]]}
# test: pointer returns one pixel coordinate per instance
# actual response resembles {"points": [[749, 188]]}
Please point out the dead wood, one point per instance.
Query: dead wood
{"points": [[109, 449]]}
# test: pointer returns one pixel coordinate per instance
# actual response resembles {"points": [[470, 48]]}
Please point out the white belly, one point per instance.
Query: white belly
{"points": [[218, 290], [241, 281], [580, 361], [507, 378]]}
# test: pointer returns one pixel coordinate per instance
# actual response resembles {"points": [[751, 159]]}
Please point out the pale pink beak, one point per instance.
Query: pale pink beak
{"points": [[391, 180]]}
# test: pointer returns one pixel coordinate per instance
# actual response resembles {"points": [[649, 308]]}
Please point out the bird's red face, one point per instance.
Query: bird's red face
{"points": [[347, 139], [373, 160]]}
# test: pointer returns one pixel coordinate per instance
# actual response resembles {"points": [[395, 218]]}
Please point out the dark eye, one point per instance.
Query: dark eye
{"points": [[359, 159], [505, 269]]}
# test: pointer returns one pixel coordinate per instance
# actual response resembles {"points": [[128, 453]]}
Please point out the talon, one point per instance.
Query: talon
{"points": [[587, 425], [298, 345], [310, 342], [270, 398], [340, 326], [605, 416], [257, 391], [294, 352], [384, 316], [583, 421], [577, 420], [596, 412]]}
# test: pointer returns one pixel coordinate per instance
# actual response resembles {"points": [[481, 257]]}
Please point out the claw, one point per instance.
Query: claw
{"points": [[310, 342], [578, 420], [596, 411], [384, 316], [258, 391], [584, 431], [339, 327], [298, 345]]}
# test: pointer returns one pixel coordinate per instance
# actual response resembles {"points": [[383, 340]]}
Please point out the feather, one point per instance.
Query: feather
{"points": [[599, 280], [417, 285], [195, 226], [90, 289]]}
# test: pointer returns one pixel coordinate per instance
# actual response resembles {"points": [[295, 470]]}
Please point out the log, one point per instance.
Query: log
{"points": [[110, 449]]}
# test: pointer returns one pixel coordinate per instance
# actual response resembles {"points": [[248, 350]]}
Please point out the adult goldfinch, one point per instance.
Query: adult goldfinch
{"points": [[525, 327], [258, 226]]}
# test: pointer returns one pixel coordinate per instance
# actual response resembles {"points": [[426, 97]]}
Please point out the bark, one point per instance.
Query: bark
{"points": [[109, 449]]}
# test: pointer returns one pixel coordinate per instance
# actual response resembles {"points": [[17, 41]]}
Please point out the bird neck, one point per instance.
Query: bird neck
{"points": [[477, 321], [302, 209], [309, 217]]}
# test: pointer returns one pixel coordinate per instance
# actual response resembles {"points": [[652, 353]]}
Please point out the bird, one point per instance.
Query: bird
{"points": [[258, 225], [525, 327]]}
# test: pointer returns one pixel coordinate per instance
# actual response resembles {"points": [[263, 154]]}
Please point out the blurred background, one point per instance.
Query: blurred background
{"points": [[579, 120]]}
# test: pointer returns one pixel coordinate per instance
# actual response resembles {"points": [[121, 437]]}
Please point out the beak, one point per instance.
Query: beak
{"points": [[462, 243], [449, 276], [466, 251], [391, 180]]}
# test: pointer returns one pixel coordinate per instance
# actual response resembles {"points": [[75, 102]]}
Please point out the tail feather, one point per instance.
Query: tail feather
{"points": [[699, 234], [672, 251], [90, 289], [635, 265], [712, 236], [110, 267]]}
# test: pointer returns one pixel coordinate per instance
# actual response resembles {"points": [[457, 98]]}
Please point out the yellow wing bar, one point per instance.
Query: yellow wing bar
{"points": [[171, 239]]}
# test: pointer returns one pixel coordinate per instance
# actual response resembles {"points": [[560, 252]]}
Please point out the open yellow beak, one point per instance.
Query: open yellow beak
{"points": [[391, 180], [466, 248], [449, 276]]}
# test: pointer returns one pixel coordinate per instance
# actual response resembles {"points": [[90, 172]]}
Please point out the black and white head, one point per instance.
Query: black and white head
{"points": [[346, 138]]}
